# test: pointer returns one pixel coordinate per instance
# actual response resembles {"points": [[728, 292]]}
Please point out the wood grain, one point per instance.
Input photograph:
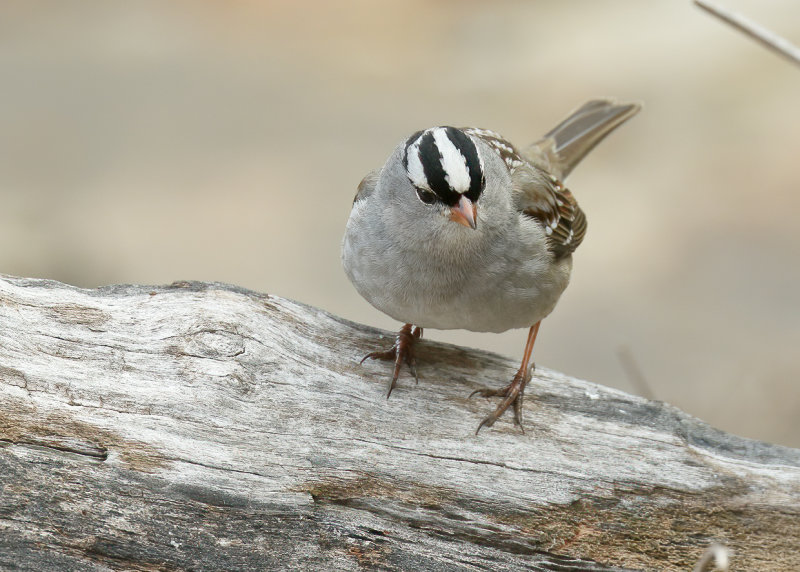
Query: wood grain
{"points": [[206, 427]]}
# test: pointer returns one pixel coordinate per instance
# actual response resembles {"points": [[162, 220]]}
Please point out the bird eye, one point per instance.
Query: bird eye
{"points": [[426, 196]]}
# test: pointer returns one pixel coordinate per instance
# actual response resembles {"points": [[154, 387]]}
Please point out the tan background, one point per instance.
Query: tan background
{"points": [[150, 141]]}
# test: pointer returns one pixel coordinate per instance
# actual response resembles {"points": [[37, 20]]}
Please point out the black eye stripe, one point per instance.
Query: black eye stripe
{"points": [[431, 159]]}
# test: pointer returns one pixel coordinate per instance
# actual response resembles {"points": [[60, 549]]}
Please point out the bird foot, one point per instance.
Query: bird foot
{"points": [[401, 351], [512, 394]]}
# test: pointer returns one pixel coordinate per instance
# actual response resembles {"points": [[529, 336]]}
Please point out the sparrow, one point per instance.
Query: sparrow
{"points": [[460, 229]]}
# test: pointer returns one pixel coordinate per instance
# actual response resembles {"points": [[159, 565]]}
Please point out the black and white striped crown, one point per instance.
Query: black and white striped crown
{"points": [[446, 162]]}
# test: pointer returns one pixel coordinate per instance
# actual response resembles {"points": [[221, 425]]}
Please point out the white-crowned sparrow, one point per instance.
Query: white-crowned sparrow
{"points": [[460, 230]]}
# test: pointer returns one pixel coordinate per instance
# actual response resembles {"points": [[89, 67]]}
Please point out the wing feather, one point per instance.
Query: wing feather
{"points": [[367, 185]]}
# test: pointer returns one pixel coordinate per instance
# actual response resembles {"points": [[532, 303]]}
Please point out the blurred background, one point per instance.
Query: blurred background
{"points": [[148, 142]]}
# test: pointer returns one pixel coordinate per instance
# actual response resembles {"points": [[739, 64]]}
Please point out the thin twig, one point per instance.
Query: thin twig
{"points": [[750, 28], [634, 373]]}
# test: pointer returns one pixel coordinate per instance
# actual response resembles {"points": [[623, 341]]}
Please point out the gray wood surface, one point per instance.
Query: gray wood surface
{"points": [[205, 427]]}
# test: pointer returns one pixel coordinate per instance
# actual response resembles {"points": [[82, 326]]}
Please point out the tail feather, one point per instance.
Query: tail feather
{"points": [[561, 149]]}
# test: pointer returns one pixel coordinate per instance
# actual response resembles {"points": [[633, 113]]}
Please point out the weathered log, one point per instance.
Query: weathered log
{"points": [[203, 426]]}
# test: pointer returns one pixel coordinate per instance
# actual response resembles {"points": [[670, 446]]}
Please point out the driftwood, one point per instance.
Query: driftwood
{"points": [[206, 427]]}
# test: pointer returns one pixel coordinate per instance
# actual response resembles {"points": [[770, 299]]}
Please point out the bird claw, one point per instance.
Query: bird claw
{"points": [[401, 351], [513, 395]]}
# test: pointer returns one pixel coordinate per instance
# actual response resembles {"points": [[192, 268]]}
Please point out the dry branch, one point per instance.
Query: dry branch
{"points": [[202, 426], [766, 38]]}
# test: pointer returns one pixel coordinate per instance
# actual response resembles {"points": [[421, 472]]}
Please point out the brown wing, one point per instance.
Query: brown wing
{"points": [[367, 185], [541, 196], [562, 218]]}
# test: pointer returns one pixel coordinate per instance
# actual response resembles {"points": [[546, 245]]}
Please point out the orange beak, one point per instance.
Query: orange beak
{"points": [[465, 212]]}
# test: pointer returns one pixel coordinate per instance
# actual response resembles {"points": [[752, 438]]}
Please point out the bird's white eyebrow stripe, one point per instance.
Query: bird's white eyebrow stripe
{"points": [[414, 167]]}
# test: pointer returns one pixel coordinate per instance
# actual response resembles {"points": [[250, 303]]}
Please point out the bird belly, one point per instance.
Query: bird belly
{"points": [[494, 304], [446, 293]]}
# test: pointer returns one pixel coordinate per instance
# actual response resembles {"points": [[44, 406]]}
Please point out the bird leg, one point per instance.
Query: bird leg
{"points": [[514, 392], [401, 351]]}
